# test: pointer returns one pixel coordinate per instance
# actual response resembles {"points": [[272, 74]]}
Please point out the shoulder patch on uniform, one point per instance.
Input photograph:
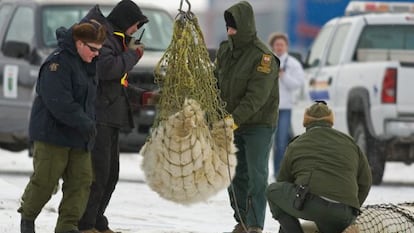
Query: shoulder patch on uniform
{"points": [[53, 66], [265, 64]]}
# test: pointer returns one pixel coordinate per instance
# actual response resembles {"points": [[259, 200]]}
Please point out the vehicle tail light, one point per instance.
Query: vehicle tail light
{"points": [[389, 86], [147, 98]]}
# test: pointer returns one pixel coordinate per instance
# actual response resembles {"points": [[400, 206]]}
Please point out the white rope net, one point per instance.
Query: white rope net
{"points": [[190, 154]]}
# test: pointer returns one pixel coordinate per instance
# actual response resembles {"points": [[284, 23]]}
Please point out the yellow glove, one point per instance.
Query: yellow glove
{"points": [[234, 126]]}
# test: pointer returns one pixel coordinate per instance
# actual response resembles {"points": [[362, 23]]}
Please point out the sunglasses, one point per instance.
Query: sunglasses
{"points": [[93, 49]]}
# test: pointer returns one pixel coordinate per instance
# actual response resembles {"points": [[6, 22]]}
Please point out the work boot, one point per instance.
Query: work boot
{"points": [[238, 228], [93, 230], [255, 230], [289, 224], [27, 226]]}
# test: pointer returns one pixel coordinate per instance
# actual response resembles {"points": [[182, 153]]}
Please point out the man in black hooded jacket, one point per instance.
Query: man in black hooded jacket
{"points": [[117, 57]]}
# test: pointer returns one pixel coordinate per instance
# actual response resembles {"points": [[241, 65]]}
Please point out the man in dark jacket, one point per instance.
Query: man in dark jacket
{"points": [[324, 177], [247, 73], [62, 127], [119, 55]]}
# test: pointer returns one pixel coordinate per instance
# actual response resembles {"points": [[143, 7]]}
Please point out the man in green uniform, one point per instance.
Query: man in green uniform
{"points": [[247, 75], [324, 177], [62, 126]]}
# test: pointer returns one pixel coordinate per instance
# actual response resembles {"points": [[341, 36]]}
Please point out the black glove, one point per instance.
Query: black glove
{"points": [[93, 132], [89, 133]]}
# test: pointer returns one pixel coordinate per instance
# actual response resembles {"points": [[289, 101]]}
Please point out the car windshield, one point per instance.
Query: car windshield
{"points": [[157, 35]]}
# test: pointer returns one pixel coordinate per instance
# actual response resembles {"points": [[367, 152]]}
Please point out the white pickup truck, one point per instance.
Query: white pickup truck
{"points": [[363, 67]]}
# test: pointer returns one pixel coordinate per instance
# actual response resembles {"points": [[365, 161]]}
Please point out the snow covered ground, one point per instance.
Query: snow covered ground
{"points": [[137, 209]]}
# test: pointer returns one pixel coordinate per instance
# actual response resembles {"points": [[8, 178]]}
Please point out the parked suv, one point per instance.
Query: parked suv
{"points": [[27, 37]]}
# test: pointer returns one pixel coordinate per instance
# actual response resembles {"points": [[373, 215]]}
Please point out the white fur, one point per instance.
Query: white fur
{"points": [[185, 161]]}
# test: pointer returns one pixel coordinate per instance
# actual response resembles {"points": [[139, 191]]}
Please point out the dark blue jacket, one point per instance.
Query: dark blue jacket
{"points": [[63, 111]]}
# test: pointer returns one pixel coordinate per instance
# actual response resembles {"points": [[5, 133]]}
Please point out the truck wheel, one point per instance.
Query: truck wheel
{"points": [[369, 146], [14, 147]]}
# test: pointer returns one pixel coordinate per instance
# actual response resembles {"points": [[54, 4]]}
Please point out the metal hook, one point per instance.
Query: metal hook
{"points": [[181, 6], [189, 6], [183, 15]]}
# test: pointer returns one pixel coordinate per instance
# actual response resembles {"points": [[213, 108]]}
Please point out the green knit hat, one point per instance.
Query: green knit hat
{"points": [[319, 111]]}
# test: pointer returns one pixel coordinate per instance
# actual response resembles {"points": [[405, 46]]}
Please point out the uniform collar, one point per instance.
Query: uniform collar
{"points": [[318, 124]]}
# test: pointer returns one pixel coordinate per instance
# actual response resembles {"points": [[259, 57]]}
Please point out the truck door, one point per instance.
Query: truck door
{"points": [[321, 75], [316, 77], [323, 78], [16, 72], [326, 84]]}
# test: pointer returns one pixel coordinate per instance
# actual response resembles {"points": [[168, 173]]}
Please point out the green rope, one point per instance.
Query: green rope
{"points": [[186, 71]]}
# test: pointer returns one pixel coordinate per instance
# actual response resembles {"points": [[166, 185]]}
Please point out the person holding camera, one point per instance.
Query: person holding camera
{"points": [[324, 177], [119, 54]]}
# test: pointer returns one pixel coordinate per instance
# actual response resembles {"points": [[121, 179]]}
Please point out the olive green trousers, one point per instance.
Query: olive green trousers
{"points": [[330, 217], [52, 162]]}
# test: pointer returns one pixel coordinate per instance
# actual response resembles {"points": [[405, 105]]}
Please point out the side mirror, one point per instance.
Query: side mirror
{"points": [[16, 49], [298, 56]]}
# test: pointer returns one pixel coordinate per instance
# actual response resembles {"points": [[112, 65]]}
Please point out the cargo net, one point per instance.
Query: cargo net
{"points": [[189, 155], [383, 218]]}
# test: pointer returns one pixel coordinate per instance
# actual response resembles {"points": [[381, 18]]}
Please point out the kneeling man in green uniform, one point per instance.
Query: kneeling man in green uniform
{"points": [[324, 177]]}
